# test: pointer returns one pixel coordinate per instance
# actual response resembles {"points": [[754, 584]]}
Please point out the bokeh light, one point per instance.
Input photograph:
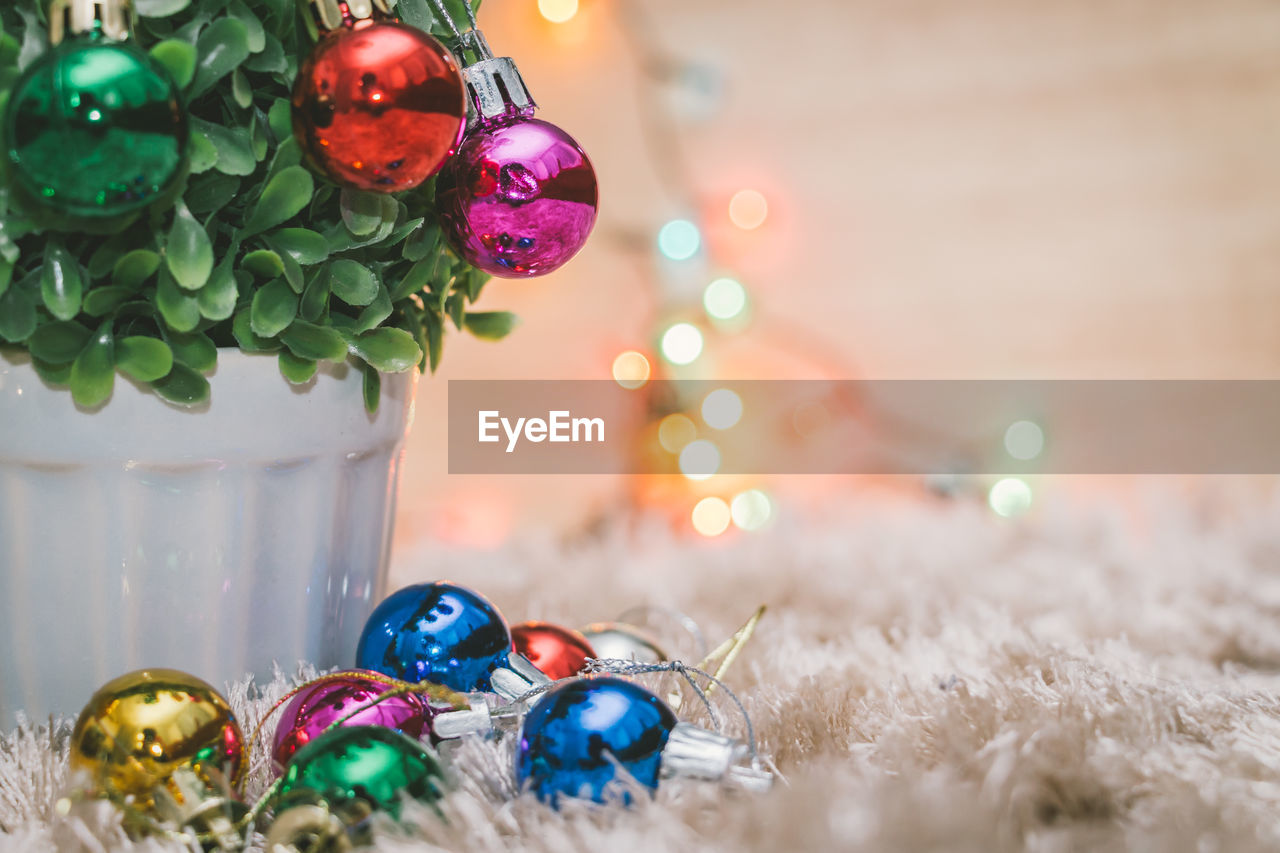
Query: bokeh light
{"points": [[682, 343], [1024, 440], [675, 432], [751, 509], [748, 210], [721, 408], [631, 369], [699, 459], [1009, 497], [679, 240], [724, 299], [558, 11], [711, 516]]}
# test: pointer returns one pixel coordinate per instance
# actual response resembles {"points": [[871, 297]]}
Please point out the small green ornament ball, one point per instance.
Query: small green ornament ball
{"points": [[369, 763], [95, 129]]}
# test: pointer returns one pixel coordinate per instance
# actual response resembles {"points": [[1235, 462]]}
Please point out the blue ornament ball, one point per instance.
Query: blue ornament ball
{"points": [[581, 731], [435, 632]]}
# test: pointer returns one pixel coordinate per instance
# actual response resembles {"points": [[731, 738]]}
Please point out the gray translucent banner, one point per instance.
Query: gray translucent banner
{"points": [[865, 427]]}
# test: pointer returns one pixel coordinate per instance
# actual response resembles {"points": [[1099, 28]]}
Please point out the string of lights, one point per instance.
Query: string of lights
{"points": [[689, 322]]}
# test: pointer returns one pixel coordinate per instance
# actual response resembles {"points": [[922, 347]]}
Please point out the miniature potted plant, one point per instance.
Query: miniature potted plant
{"points": [[209, 335]]}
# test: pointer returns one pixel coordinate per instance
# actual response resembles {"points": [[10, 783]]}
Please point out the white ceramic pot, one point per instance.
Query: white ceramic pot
{"points": [[218, 541]]}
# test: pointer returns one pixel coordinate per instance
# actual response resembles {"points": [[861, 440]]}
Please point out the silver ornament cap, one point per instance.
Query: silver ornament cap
{"points": [[494, 85]]}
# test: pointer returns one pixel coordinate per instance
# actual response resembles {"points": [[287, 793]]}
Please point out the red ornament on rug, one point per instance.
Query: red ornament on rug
{"points": [[378, 105], [557, 652]]}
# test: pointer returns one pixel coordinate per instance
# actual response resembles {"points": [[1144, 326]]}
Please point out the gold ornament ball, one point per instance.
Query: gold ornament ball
{"points": [[141, 727]]}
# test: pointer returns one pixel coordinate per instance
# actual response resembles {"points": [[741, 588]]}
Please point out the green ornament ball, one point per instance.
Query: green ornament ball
{"points": [[372, 764], [95, 129]]}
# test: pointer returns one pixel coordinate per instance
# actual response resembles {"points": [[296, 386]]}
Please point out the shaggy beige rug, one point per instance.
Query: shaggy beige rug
{"points": [[929, 677]]}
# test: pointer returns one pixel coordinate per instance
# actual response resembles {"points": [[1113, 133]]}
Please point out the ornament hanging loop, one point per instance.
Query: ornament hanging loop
{"points": [[111, 18], [494, 85]]}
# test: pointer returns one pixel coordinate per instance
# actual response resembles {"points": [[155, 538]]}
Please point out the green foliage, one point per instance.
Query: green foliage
{"points": [[254, 251]]}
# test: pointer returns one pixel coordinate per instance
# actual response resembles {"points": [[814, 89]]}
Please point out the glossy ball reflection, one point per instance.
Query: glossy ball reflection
{"points": [[519, 198], [141, 727], [371, 764], [557, 652], [379, 107], [578, 735], [620, 641], [95, 129], [346, 696], [435, 632]]}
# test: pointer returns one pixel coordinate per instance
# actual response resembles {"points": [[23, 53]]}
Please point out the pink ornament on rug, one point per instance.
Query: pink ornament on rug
{"points": [[318, 707], [519, 197]]}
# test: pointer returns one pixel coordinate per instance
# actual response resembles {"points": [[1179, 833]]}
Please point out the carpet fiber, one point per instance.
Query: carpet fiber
{"points": [[928, 677]]}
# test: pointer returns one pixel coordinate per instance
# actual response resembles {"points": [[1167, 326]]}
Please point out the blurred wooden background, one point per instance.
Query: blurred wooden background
{"points": [[983, 189]]}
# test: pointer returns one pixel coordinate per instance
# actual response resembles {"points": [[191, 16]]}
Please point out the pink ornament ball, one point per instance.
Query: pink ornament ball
{"points": [[519, 197], [315, 709]]}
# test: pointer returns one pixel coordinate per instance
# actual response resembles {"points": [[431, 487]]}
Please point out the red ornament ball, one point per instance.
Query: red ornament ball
{"points": [[379, 106], [558, 652]]}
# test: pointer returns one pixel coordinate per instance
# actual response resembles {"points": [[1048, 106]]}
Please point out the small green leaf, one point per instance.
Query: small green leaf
{"points": [[352, 283], [58, 342], [201, 154], [242, 329], [103, 300], [416, 279], [491, 325], [377, 311], [389, 350], [61, 282], [212, 192], [93, 373], [105, 256], [241, 91], [316, 296], [274, 307], [263, 263], [297, 370], [306, 246], [422, 244], [17, 315], [372, 388], [234, 147], [293, 273], [257, 36], [182, 387], [284, 197], [307, 340], [196, 351], [180, 310], [217, 299], [258, 136], [6, 275], [457, 310], [143, 358], [188, 250], [361, 211], [135, 268], [435, 339], [280, 118], [222, 46], [178, 58], [271, 60], [289, 153]]}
